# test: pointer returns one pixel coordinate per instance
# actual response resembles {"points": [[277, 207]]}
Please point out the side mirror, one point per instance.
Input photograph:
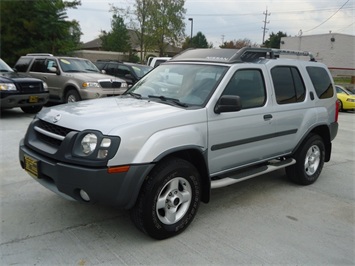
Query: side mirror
{"points": [[228, 103], [53, 70]]}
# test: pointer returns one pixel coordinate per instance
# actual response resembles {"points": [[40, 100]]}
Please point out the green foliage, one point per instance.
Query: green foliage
{"points": [[165, 23], [238, 44], [198, 41], [117, 39], [274, 40], [37, 26]]}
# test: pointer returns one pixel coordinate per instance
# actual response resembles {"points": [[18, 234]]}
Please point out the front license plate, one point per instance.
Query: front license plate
{"points": [[31, 165], [33, 99]]}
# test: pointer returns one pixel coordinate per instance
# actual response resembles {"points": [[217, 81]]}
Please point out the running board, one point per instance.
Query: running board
{"points": [[251, 173]]}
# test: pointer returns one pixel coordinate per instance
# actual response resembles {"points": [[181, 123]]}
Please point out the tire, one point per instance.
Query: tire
{"points": [[72, 96], [168, 200], [34, 109], [309, 161]]}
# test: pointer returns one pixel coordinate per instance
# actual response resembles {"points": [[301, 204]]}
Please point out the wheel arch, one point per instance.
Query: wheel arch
{"points": [[199, 159], [324, 132], [68, 88]]}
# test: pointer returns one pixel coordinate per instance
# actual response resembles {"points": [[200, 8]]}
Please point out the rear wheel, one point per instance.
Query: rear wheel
{"points": [[309, 161], [72, 96], [168, 200], [32, 109]]}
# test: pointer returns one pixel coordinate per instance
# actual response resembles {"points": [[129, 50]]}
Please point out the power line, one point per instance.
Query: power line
{"points": [[328, 18]]}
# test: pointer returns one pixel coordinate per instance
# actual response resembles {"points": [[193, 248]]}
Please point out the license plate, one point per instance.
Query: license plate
{"points": [[33, 99], [31, 165]]}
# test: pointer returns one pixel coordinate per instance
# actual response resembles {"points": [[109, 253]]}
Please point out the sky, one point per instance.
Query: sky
{"points": [[227, 20]]}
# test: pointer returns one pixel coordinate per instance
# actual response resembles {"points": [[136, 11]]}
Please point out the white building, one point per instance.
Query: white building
{"points": [[335, 50]]}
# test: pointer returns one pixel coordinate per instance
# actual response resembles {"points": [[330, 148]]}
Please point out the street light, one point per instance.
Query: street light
{"points": [[192, 26]]}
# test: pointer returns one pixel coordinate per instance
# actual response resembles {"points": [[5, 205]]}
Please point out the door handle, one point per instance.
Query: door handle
{"points": [[267, 117]]}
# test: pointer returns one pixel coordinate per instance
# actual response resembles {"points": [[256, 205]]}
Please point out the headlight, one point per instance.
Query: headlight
{"points": [[89, 84], [350, 100], [7, 87], [88, 143], [45, 86], [92, 145], [123, 85]]}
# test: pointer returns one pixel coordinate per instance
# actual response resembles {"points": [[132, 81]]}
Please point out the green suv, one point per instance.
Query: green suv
{"points": [[70, 79]]}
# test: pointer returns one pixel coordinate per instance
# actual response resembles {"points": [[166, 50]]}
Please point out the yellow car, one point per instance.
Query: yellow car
{"points": [[346, 98]]}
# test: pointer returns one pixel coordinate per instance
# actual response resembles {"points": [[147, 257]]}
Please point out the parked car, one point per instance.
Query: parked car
{"points": [[130, 72], [70, 79], [16, 90], [224, 116], [156, 61], [346, 98]]}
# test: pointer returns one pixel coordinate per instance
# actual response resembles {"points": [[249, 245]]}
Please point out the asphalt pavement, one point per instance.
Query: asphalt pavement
{"points": [[265, 220]]}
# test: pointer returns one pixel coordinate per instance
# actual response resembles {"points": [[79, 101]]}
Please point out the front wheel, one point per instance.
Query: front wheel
{"points": [[309, 161], [169, 199], [72, 96]]}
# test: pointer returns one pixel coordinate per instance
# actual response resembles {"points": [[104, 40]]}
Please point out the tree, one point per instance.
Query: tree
{"points": [[198, 41], [117, 39], [37, 26], [274, 40], [165, 23], [238, 44], [142, 16]]}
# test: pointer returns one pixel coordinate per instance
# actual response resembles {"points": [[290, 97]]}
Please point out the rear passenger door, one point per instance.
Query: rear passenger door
{"points": [[292, 113], [242, 137]]}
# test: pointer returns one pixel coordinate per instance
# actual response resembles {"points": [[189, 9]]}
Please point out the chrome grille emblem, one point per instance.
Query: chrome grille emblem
{"points": [[56, 118]]}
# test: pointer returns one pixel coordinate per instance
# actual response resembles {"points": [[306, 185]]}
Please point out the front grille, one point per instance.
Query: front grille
{"points": [[110, 85], [58, 130], [30, 87], [51, 128]]}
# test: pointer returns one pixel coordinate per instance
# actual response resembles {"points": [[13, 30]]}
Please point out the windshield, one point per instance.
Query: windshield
{"points": [[4, 67], [186, 84], [77, 65]]}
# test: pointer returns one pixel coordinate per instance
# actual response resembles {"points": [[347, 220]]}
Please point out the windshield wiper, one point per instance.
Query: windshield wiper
{"points": [[135, 95], [167, 99]]}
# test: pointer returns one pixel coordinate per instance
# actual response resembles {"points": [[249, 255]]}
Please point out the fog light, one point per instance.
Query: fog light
{"points": [[84, 195]]}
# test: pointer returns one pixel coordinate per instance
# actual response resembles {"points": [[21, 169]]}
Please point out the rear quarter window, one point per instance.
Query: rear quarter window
{"points": [[22, 64], [321, 82]]}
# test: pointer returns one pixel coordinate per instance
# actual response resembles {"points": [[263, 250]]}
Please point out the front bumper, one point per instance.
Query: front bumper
{"points": [[11, 100], [117, 189]]}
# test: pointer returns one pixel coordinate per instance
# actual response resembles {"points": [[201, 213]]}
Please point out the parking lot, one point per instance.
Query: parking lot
{"points": [[266, 220]]}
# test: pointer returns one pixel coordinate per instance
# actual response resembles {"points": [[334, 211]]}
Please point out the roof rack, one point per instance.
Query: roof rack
{"points": [[40, 54], [293, 52], [245, 54]]}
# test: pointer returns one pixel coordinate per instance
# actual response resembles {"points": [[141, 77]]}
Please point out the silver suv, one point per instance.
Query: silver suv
{"points": [[208, 118], [70, 79]]}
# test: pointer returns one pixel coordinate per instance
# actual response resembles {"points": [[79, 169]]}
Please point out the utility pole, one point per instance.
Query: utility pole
{"points": [[265, 22], [222, 39]]}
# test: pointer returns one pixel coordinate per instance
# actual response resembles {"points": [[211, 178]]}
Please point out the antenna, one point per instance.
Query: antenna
{"points": [[265, 22]]}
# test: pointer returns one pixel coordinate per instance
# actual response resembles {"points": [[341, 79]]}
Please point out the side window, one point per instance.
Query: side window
{"points": [[22, 64], [111, 69], [39, 65], [249, 85], [288, 84], [123, 70], [51, 63], [321, 82]]}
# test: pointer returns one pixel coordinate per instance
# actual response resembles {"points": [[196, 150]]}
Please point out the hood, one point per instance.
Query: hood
{"points": [[14, 76], [92, 76], [107, 113]]}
